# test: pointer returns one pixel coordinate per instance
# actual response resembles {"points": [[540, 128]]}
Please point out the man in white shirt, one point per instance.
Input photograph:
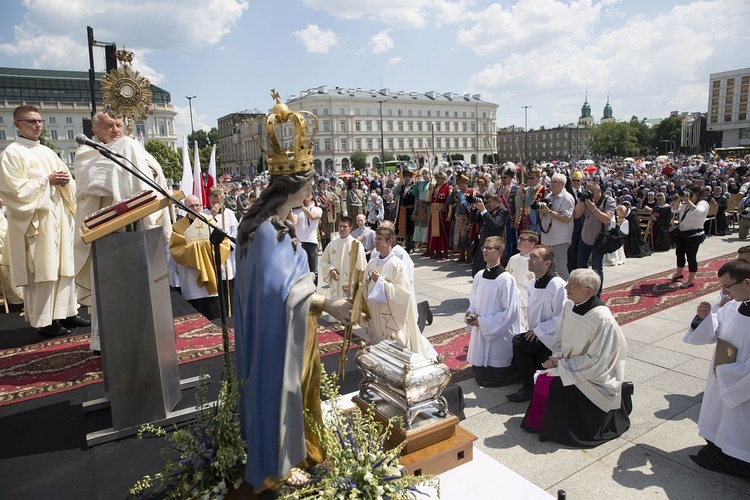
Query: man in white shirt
{"points": [[557, 222], [335, 263], [546, 300], [365, 235], [306, 220]]}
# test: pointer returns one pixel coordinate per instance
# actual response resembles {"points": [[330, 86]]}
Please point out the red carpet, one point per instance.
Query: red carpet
{"points": [[639, 298], [66, 363]]}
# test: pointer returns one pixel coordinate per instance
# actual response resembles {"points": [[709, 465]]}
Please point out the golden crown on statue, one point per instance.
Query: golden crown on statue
{"points": [[297, 158]]}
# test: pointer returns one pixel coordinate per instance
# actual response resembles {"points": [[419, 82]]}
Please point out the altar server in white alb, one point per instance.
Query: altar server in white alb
{"points": [[402, 254], [229, 223], [388, 291], [39, 194], [724, 421], [493, 319], [335, 263], [546, 294]]}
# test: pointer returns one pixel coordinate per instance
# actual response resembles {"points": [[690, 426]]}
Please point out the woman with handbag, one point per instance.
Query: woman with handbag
{"points": [[692, 211]]}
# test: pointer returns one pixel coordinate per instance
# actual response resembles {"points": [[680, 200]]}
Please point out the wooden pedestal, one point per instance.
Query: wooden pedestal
{"points": [[442, 456], [426, 429]]}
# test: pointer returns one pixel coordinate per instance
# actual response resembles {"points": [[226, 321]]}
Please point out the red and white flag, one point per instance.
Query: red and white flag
{"points": [[211, 177], [186, 184], [197, 176]]}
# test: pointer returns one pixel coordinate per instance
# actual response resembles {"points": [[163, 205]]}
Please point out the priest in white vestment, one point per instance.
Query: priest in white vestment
{"points": [[582, 399], [402, 254], [724, 421], [493, 319], [39, 194], [388, 291], [194, 255], [335, 263], [102, 183]]}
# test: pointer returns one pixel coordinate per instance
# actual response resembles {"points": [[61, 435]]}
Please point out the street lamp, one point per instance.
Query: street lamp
{"points": [[526, 132], [382, 140], [671, 142], [190, 104]]}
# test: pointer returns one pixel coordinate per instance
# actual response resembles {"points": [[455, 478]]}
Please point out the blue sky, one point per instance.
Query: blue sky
{"points": [[651, 56]]}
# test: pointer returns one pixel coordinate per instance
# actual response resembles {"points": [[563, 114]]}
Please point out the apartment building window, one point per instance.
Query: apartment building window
{"points": [[344, 144], [455, 114], [465, 126], [484, 114], [342, 124], [400, 112], [419, 143], [325, 111], [429, 143], [326, 126], [438, 113], [356, 111], [411, 126], [2, 135], [52, 119], [419, 112], [390, 112], [390, 143], [1, 119], [400, 144], [342, 111], [70, 134], [419, 126], [327, 144], [400, 126], [455, 142], [358, 143], [314, 111], [140, 128], [53, 135], [484, 127], [473, 142], [68, 119], [369, 112], [429, 113], [437, 126], [390, 126], [368, 126], [316, 145], [357, 126], [369, 144], [466, 142]]}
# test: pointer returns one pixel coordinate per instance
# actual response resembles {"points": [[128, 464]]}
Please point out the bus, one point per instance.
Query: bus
{"points": [[392, 166], [735, 152]]}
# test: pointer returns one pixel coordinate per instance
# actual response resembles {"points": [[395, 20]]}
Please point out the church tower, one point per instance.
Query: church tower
{"points": [[586, 119], [607, 115]]}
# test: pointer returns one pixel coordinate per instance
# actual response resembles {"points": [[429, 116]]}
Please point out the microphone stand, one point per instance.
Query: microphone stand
{"points": [[216, 238]]}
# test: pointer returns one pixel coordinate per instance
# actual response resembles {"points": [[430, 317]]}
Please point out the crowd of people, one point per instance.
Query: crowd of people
{"points": [[530, 235]]}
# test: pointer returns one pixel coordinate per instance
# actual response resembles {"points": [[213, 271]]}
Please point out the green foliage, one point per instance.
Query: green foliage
{"points": [[357, 465], [614, 139], [44, 140], [388, 156], [170, 160], [669, 129], [204, 138], [359, 160], [210, 452], [403, 158], [644, 135], [457, 156]]}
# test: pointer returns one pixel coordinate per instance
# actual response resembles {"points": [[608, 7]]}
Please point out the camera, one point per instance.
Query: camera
{"points": [[473, 198], [585, 194], [536, 205]]}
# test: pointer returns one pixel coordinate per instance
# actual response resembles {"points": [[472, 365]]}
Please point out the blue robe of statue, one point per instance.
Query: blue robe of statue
{"points": [[272, 295]]}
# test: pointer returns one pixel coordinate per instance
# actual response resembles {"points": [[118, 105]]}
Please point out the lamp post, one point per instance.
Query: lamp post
{"points": [[526, 132], [382, 140], [190, 104], [671, 142]]}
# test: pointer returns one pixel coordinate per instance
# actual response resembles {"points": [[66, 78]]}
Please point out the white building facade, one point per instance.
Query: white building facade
{"points": [[425, 127], [728, 95]]}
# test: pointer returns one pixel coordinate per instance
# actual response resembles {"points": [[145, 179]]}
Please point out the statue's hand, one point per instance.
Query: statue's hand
{"points": [[341, 309]]}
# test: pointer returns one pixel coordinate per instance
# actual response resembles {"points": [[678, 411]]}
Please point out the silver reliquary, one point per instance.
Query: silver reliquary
{"points": [[405, 379]]}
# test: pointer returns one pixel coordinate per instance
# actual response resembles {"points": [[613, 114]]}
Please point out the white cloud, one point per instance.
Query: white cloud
{"points": [[636, 60], [381, 42], [394, 60], [317, 40], [201, 121], [392, 13], [53, 35]]}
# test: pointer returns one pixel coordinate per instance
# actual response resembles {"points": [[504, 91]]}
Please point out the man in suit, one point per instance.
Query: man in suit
{"points": [[491, 220]]}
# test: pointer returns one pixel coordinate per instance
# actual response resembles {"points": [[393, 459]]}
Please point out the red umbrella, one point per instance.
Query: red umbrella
{"points": [[590, 168]]}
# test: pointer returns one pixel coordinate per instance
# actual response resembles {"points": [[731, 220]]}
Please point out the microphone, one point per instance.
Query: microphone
{"points": [[83, 140]]}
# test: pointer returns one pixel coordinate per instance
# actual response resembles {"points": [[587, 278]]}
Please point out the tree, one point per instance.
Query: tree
{"points": [[204, 138], [613, 139], [44, 140], [359, 160], [403, 158], [667, 134], [643, 134], [170, 160], [388, 156]]}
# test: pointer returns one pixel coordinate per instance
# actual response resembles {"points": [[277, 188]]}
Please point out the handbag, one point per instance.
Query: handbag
{"points": [[675, 233], [609, 240]]}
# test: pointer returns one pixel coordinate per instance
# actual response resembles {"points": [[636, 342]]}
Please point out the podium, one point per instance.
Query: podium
{"points": [[138, 349]]}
